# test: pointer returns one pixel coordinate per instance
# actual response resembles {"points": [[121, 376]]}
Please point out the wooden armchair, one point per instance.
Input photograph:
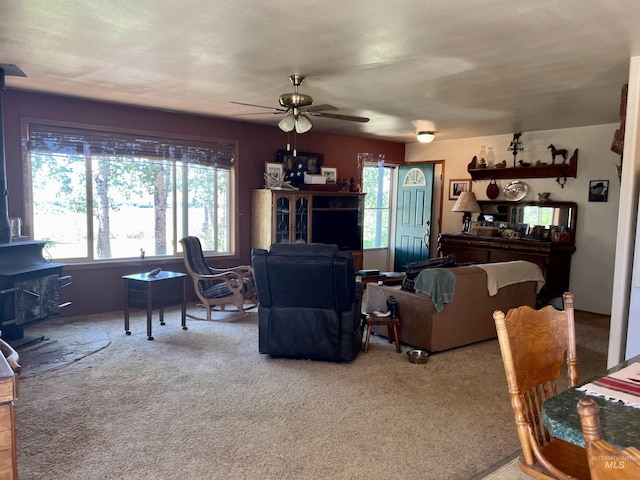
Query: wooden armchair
{"points": [[534, 344], [605, 461], [218, 287]]}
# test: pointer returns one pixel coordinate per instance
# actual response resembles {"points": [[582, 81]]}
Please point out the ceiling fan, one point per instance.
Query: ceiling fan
{"points": [[297, 108]]}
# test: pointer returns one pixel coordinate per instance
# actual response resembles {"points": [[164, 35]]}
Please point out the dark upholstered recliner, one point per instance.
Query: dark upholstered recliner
{"points": [[309, 302]]}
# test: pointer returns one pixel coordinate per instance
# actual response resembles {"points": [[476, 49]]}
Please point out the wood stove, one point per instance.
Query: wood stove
{"points": [[29, 287], [29, 283]]}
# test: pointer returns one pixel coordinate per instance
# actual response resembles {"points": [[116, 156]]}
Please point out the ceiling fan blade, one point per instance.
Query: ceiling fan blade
{"points": [[279, 112], [336, 116], [260, 106], [319, 108]]}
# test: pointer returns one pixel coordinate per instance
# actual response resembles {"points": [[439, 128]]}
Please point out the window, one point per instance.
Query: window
{"points": [[539, 216], [377, 185], [109, 195]]}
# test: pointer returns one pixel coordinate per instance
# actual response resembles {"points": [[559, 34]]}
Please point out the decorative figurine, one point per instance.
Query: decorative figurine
{"points": [[544, 196], [515, 146], [523, 164], [554, 151], [502, 164]]}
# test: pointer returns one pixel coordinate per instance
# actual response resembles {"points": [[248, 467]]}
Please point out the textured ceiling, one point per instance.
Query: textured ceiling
{"points": [[461, 68]]}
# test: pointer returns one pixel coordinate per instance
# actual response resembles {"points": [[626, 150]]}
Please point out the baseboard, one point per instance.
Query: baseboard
{"points": [[486, 474]]}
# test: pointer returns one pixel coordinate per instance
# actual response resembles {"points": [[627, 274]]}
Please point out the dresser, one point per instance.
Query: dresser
{"points": [[553, 258]]}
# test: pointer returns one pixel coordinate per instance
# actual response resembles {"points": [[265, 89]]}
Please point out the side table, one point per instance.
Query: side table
{"points": [[392, 324], [151, 292], [387, 278]]}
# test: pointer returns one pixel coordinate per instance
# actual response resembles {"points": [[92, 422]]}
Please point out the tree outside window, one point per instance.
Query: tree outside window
{"points": [[101, 195], [377, 185]]}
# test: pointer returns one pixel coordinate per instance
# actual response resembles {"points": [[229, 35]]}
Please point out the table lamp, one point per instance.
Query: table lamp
{"points": [[468, 204]]}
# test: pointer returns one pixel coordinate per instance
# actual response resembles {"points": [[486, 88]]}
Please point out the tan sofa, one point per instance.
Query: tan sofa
{"points": [[467, 319]]}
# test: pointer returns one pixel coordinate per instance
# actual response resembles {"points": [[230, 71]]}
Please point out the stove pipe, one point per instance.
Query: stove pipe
{"points": [[5, 222]]}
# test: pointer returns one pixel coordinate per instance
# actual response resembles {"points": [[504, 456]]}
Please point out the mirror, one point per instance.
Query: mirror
{"points": [[515, 214]]}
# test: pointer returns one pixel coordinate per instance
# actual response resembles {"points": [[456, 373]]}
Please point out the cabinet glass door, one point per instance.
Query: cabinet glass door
{"points": [[302, 220], [283, 208]]}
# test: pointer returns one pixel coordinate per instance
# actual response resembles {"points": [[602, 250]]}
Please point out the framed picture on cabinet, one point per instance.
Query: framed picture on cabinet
{"points": [[331, 173], [457, 186], [536, 232], [275, 170], [311, 162], [523, 228]]}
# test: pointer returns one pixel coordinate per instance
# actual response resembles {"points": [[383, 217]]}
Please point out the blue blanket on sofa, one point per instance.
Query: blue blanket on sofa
{"points": [[439, 284]]}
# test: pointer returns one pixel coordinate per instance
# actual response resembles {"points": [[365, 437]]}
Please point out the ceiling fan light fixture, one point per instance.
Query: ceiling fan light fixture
{"points": [[295, 100], [303, 124], [425, 136], [287, 124]]}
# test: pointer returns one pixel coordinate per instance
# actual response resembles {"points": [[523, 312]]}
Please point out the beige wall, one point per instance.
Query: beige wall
{"points": [[593, 263]]}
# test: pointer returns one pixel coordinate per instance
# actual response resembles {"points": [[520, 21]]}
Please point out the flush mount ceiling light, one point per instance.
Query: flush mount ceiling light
{"points": [[425, 137]]}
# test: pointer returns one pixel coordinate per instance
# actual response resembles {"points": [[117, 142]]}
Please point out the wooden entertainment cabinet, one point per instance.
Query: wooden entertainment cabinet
{"points": [[553, 258], [290, 216]]}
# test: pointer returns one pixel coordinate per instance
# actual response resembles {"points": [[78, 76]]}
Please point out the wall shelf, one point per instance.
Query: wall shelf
{"points": [[557, 171]]}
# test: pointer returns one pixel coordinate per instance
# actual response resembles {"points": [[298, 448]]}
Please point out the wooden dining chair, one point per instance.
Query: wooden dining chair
{"points": [[605, 461], [535, 344]]}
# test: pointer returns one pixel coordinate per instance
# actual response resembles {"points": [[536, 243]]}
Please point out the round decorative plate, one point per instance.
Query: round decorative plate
{"points": [[515, 190]]}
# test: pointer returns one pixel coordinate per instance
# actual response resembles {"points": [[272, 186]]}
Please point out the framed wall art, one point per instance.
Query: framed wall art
{"points": [[311, 161], [457, 186], [598, 190]]}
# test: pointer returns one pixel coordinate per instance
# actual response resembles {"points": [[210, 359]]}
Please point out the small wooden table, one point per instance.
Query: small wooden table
{"points": [[392, 324], [151, 292]]}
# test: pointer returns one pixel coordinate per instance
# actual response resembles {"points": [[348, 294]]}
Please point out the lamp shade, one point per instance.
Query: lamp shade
{"points": [[303, 124], [425, 137], [287, 123], [466, 203], [300, 123]]}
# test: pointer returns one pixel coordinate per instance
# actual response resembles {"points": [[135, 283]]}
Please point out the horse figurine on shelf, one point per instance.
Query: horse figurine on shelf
{"points": [[555, 151]]}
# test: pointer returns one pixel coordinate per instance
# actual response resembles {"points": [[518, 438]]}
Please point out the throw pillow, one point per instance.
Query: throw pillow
{"points": [[414, 268]]}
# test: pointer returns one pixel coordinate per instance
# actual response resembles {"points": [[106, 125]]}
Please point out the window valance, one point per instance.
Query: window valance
{"points": [[68, 140]]}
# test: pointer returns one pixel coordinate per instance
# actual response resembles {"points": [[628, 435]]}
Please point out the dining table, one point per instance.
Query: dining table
{"points": [[620, 422]]}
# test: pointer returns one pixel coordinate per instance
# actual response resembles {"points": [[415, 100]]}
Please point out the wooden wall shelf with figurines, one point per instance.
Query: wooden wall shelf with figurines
{"points": [[559, 171]]}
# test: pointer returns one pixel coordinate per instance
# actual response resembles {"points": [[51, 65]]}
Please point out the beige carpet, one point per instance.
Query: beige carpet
{"points": [[203, 404]]}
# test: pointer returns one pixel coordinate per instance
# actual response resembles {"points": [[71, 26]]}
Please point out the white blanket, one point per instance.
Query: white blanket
{"points": [[508, 273]]}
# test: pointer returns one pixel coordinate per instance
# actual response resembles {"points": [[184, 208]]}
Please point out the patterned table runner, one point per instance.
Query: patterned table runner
{"points": [[623, 386]]}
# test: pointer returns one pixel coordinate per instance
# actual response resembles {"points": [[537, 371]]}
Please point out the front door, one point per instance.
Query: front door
{"points": [[413, 219]]}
